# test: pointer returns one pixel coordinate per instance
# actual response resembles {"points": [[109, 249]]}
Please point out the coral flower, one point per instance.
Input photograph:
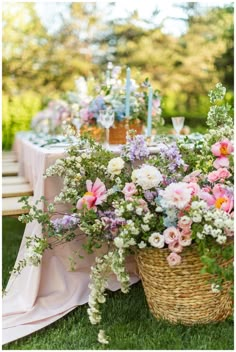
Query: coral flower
{"points": [[95, 195], [222, 148], [221, 198]]}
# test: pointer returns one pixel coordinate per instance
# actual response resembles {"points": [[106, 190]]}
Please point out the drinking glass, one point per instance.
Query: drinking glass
{"points": [[106, 119], [77, 123], [178, 124]]}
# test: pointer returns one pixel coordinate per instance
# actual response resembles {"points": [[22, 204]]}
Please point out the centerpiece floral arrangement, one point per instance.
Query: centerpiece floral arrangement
{"points": [[172, 201], [49, 120], [90, 99]]}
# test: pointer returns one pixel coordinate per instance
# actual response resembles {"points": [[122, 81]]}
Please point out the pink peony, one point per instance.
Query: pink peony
{"points": [[222, 161], [171, 234], [175, 247], [220, 174], [173, 259], [95, 195], [129, 190], [221, 198], [177, 194], [222, 148]]}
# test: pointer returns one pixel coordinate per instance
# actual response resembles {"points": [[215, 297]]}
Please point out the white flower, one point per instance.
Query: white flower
{"points": [[219, 223], [200, 236], [159, 209], [215, 288], [221, 239], [119, 243], [145, 227], [157, 240], [142, 244], [130, 207], [147, 177], [197, 218], [102, 337], [139, 211], [115, 166]]}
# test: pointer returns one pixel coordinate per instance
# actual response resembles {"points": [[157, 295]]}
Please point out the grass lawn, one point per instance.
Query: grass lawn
{"points": [[126, 319]]}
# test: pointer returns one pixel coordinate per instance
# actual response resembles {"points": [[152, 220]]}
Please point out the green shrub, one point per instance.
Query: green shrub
{"points": [[17, 112]]}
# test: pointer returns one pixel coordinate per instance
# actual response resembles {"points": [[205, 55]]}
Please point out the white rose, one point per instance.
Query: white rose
{"points": [[115, 166], [157, 240], [147, 177], [139, 211]]}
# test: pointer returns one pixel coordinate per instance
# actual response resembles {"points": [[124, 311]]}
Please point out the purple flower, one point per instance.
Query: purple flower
{"points": [[67, 222], [111, 223], [136, 148], [171, 155], [150, 195]]}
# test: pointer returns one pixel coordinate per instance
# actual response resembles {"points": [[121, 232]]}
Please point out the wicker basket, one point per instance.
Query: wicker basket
{"points": [[94, 131], [181, 294], [118, 132]]}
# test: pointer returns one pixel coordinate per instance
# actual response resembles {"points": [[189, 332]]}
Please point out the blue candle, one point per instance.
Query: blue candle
{"points": [[127, 92], [149, 120]]}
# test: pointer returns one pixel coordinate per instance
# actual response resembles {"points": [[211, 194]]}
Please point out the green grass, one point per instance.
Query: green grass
{"points": [[126, 319]]}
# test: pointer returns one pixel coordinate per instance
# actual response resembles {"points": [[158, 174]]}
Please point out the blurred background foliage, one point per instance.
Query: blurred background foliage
{"points": [[39, 64]]}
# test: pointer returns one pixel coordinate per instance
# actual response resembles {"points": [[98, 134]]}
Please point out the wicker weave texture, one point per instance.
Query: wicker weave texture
{"points": [[181, 294], [118, 132]]}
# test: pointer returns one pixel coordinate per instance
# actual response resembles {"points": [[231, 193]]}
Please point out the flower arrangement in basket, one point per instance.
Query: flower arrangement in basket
{"points": [[173, 210]]}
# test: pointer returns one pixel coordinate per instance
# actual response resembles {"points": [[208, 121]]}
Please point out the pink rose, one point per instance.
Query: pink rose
{"points": [[228, 232], [171, 234], [222, 148], [185, 222], [175, 247], [193, 177], [222, 161], [174, 259], [185, 239], [129, 190], [212, 177]]}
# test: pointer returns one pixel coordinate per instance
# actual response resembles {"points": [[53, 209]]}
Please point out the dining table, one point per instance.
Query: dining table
{"points": [[42, 294]]}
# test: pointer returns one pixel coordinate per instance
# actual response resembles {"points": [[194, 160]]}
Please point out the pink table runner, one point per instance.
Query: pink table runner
{"points": [[41, 295]]}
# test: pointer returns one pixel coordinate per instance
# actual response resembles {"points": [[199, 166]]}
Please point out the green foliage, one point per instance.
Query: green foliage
{"points": [[17, 112]]}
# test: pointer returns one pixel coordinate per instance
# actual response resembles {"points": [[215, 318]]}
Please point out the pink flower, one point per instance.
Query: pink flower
{"points": [[222, 161], [95, 195], [194, 187], [129, 190], [222, 148], [85, 115], [171, 234], [177, 194], [229, 233], [174, 259], [185, 222], [185, 239], [220, 174], [193, 177], [221, 198], [175, 247], [142, 204]]}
